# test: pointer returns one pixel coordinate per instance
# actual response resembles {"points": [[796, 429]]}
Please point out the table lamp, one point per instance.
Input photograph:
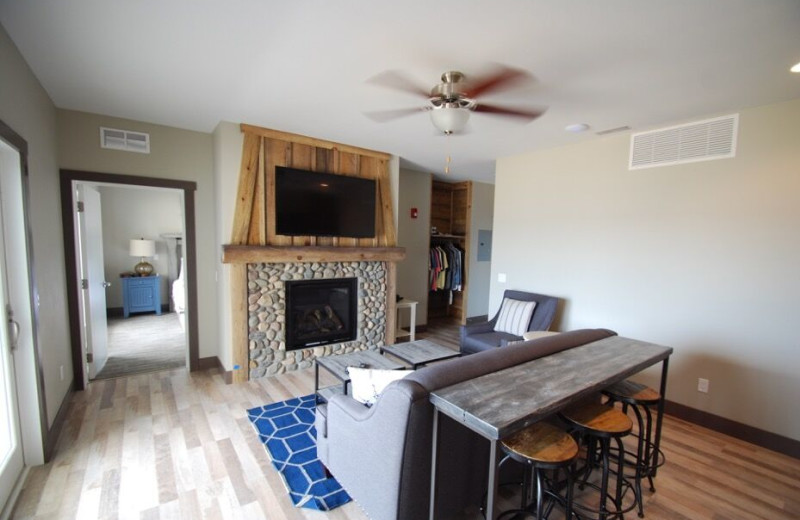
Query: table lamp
{"points": [[143, 248]]}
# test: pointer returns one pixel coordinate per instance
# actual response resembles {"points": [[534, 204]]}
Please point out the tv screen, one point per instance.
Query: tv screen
{"points": [[323, 204]]}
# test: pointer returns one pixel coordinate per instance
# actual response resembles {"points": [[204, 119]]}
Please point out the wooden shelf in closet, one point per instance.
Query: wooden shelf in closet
{"points": [[451, 212]]}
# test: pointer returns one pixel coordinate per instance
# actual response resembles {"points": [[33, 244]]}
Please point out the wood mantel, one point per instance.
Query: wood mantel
{"points": [[234, 254]]}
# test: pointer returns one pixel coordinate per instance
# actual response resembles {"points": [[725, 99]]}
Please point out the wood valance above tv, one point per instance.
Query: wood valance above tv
{"points": [[264, 149]]}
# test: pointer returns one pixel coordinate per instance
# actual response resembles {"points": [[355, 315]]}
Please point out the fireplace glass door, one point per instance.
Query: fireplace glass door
{"points": [[320, 312]]}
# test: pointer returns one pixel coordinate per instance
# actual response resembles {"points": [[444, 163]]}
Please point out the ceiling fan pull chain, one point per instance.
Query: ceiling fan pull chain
{"points": [[447, 162]]}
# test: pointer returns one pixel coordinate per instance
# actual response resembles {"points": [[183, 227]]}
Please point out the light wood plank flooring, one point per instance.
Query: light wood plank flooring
{"points": [[178, 445]]}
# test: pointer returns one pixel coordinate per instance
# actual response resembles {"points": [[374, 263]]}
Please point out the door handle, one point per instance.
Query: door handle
{"points": [[13, 333], [106, 284], [13, 328]]}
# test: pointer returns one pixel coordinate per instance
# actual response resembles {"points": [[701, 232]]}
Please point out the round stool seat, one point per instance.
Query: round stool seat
{"points": [[599, 425], [633, 393], [541, 444], [541, 447], [598, 419]]}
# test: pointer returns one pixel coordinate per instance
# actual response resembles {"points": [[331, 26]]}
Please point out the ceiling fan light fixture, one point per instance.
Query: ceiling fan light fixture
{"points": [[449, 119]]}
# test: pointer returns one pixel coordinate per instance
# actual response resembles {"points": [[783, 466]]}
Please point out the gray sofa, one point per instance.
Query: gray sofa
{"points": [[478, 337], [381, 455]]}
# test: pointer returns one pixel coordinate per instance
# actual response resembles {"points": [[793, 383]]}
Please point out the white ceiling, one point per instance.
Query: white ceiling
{"points": [[302, 66]]}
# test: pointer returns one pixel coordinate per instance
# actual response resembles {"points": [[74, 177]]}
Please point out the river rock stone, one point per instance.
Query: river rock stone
{"points": [[267, 318]]}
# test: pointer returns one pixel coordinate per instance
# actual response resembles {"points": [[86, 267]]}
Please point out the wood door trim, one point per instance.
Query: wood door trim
{"points": [[71, 265]]}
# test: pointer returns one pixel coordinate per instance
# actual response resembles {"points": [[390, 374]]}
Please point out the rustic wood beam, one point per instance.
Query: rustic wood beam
{"points": [[238, 254], [302, 139], [385, 210], [258, 218], [239, 334], [391, 303], [245, 193]]}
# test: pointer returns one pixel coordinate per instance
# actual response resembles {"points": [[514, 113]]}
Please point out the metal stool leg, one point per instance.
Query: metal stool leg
{"points": [[651, 454], [641, 464]]}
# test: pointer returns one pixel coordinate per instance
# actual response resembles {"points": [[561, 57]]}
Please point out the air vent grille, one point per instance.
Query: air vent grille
{"points": [[124, 140], [699, 141]]}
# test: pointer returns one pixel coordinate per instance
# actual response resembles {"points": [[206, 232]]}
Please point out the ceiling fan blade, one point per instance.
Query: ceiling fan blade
{"points": [[399, 81], [523, 113], [502, 77], [382, 116]]}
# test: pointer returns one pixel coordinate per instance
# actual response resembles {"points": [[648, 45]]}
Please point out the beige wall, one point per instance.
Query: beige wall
{"points": [[174, 154], [27, 109], [479, 272], [702, 257], [228, 141], [414, 235], [135, 212]]}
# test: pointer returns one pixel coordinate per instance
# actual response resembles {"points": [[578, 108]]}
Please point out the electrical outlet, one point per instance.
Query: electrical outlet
{"points": [[702, 385], [501, 277]]}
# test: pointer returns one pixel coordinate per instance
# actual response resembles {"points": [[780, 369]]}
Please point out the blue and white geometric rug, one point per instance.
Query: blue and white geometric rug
{"points": [[287, 431]]}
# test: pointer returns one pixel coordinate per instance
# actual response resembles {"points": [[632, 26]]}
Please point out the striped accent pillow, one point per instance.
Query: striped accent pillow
{"points": [[515, 315]]}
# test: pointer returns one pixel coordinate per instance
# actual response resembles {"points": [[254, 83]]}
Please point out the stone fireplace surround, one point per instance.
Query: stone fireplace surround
{"points": [[296, 262], [266, 304]]}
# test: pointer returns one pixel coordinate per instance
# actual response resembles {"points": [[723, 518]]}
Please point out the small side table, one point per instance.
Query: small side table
{"points": [[141, 294], [411, 305]]}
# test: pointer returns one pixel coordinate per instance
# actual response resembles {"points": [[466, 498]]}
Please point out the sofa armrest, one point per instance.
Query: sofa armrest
{"points": [[365, 447], [475, 328], [349, 407]]}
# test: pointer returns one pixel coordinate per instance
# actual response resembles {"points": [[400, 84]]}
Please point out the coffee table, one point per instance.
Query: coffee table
{"points": [[420, 352], [337, 365]]}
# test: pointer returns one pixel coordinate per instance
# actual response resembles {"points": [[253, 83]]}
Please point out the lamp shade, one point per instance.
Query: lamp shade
{"points": [[142, 247], [449, 119]]}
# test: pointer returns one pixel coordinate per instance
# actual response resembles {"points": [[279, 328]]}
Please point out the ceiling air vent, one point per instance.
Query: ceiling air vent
{"points": [[698, 141], [124, 140]]}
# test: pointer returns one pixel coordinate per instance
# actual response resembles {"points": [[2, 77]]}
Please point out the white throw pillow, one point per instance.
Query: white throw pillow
{"points": [[515, 316], [368, 383]]}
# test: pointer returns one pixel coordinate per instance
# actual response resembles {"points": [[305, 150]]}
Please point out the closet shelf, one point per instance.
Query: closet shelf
{"points": [[442, 235]]}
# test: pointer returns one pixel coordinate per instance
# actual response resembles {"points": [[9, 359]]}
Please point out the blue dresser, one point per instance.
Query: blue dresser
{"points": [[141, 294]]}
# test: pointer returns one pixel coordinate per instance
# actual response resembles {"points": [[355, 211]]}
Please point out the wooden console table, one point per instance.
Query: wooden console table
{"points": [[494, 409]]}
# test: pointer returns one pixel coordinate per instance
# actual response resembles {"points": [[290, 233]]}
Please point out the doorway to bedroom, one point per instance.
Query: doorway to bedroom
{"points": [[132, 237], [132, 307]]}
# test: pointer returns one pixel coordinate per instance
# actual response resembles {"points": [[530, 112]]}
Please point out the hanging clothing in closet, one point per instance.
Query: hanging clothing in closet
{"points": [[445, 267]]}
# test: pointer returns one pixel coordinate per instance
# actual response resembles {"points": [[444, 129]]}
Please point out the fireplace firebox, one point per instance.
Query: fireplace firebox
{"points": [[319, 312]]}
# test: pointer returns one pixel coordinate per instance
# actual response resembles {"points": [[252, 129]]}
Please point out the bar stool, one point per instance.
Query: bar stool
{"points": [[600, 424], [540, 447], [648, 456]]}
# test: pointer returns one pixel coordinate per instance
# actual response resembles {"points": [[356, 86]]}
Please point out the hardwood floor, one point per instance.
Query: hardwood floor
{"points": [[178, 445]]}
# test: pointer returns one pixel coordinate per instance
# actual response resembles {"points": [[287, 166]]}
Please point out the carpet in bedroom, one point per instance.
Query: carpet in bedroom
{"points": [[144, 343]]}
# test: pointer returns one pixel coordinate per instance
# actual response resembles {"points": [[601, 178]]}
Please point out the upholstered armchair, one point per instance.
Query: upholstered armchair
{"points": [[478, 337]]}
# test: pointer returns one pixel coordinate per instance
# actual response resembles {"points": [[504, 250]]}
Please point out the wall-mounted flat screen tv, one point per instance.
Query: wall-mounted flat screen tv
{"points": [[323, 204]]}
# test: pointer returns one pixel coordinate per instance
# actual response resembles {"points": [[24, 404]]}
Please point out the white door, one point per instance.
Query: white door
{"points": [[93, 281], [11, 460]]}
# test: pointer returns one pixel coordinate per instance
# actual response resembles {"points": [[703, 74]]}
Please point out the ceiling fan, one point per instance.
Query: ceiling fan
{"points": [[451, 101]]}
